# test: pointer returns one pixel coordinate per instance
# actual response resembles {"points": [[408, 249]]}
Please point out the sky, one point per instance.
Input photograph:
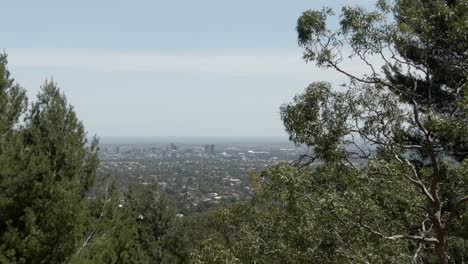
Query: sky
{"points": [[165, 68]]}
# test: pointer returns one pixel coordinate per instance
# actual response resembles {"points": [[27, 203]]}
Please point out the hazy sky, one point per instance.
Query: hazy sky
{"points": [[165, 68]]}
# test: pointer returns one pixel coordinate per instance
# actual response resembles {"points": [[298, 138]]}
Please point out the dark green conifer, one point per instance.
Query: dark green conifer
{"points": [[44, 186]]}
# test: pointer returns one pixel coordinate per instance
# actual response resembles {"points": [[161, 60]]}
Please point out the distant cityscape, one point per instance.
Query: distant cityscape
{"points": [[196, 176]]}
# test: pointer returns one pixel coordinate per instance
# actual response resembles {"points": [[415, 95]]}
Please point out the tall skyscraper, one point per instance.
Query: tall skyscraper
{"points": [[207, 149], [212, 149]]}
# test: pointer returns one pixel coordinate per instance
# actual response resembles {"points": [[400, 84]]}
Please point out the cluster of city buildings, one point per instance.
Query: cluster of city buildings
{"points": [[196, 176]]}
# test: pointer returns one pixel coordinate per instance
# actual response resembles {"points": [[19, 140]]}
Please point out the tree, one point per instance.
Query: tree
{"points": [[111, 234], [12, 106], [412, 109], [44, 184], [128, 226], [386, 181], [312, 216], [154, 216], [50, 209], [12, 100]]}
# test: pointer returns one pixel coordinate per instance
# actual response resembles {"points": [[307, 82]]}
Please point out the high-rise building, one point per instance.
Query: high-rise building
{"points": [[117, 150], [207, 149], [212, 149]]}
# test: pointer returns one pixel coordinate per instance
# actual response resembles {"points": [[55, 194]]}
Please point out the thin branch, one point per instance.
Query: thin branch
{"points": [[335, 66], [454, 210], [416, 118], [460, 202], [417, 180], [418, 252], [398, 237], [310, 159], [101, 216], [421, 245]]}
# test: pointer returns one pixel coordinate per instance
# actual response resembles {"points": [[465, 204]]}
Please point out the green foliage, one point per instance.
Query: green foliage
{"points": [[391, 183], [12, 105], [50, 209], [410, 108], [111, 233], [318, 118], [303, 216], [43, 183], [12, 101], [129, 227], [155, 217], [211, 251]]}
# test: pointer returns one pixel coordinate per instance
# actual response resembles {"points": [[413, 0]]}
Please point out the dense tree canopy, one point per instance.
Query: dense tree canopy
{"points": [[47, 168], [386, 180], [412, 108]]}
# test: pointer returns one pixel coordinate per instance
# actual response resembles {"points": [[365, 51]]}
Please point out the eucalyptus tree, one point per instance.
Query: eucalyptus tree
{"points": [[410, 107]]}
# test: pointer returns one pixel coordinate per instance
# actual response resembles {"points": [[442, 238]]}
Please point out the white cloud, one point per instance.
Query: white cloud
{"points": [[226, 63]]}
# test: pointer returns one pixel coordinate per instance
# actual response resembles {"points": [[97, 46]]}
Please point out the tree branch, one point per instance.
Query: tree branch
{"points": [[453, 211], [431, 240], [101, 216]]}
